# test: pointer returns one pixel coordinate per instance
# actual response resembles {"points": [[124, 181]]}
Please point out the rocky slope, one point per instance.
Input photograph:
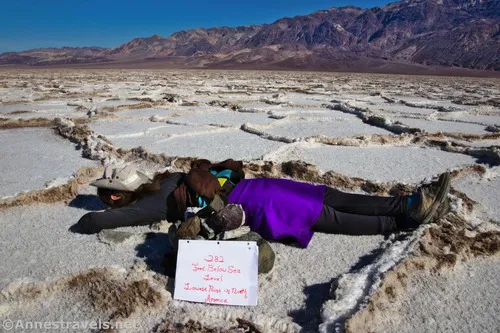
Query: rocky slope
{"points": [[46, 56], [452, 33]]}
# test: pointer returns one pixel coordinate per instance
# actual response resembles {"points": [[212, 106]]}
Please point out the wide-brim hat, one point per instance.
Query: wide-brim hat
{"points": [[122, 179]]}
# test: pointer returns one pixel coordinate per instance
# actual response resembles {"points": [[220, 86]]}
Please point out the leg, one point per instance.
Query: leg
{"points": [[335, 222], [365, 204], [356, 214]]}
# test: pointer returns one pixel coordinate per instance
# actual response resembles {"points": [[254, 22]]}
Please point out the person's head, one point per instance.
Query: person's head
{"points": [[120, 186], [116, 199]]}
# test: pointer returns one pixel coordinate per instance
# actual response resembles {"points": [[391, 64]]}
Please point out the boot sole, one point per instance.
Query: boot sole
{"points": [[444, 187]]}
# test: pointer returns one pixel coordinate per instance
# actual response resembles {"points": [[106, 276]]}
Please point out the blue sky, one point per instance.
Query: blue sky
{"points": [[27, 24]]}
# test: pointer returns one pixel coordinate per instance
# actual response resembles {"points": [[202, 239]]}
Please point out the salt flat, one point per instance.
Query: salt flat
{"points": [[344, 123], [146, 113], [215, 145], [484, 191], [124, 127], [47, 106], [53, 252], [34, 157], [223, 118], [404, 164], [465, 300], [433, 126], [300, 128]]}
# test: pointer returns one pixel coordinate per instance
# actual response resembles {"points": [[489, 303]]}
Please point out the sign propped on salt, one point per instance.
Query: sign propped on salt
{"points": [[217, 272]]}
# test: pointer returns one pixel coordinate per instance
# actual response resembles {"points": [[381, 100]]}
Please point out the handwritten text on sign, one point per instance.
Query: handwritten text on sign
{"points": [[219, 272]]}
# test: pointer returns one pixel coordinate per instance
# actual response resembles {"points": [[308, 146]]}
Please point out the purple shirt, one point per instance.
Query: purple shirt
{"points": [[280, 208]]}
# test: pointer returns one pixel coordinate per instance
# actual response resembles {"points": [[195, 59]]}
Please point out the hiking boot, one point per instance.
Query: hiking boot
{"points": [[443, 209], [432, 198], [266, 253], [189, 229]]}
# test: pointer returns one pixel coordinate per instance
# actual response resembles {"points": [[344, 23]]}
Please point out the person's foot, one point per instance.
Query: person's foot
{"points": [[189, 229], [433, 200], [228, 218]]}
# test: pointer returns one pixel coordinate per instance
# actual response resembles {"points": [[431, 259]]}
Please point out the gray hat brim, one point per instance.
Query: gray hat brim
{"points": [[128, 185]]}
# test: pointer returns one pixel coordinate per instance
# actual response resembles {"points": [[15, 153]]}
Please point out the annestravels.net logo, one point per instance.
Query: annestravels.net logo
{"points": [[20, 325]]}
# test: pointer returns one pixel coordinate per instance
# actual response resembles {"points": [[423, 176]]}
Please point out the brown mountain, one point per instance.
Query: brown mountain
{"points": [[53, 56], [458, 33]]}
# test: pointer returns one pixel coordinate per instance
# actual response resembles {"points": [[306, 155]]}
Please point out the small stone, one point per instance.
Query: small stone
{"points": [[163, 226], [492, 128], [155, 118], [139, 266], [266, 253], [230, 234], [173, 98], [470, 233]]}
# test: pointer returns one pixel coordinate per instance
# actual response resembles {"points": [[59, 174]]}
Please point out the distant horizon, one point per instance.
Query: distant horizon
{"points": [[34, 25]]}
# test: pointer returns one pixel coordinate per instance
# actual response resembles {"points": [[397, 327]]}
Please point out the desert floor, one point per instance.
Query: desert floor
{"points": [[362, 133]]}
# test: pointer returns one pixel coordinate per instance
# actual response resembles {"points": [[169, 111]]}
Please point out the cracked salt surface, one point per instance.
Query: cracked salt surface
{"points": [[353, 288], [48, 109], [483, 143], [37, 245], [296, 99], [320, 114], [151, 135], [217, 145], [259, 106], [485, 191], [393, 108], [225, 118], [54, 106], [113, 103], [112, 128], [291, 295], [294, 297], [464, 300], [480, 119], [33, 156], [146, 113], [402, 164], [436, 126], [332, 129]]}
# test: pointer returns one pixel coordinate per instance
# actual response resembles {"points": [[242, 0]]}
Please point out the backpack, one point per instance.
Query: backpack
{"points": [[227, 174]]}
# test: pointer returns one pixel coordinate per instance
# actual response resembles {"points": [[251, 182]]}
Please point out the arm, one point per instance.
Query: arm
{"points": [[121, 217], [155, 207]]}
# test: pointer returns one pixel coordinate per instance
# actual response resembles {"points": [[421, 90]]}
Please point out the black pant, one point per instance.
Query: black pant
{"points": [[356, 214]]}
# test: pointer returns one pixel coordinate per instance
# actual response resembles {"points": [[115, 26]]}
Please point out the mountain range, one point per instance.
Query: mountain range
{"points": [[406, 34]]}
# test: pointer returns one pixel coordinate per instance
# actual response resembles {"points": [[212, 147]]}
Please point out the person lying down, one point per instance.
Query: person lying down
{"points": [[276, 209]]}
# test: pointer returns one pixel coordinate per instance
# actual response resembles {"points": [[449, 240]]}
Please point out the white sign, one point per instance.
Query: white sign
{"points": [[217, 272]]}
